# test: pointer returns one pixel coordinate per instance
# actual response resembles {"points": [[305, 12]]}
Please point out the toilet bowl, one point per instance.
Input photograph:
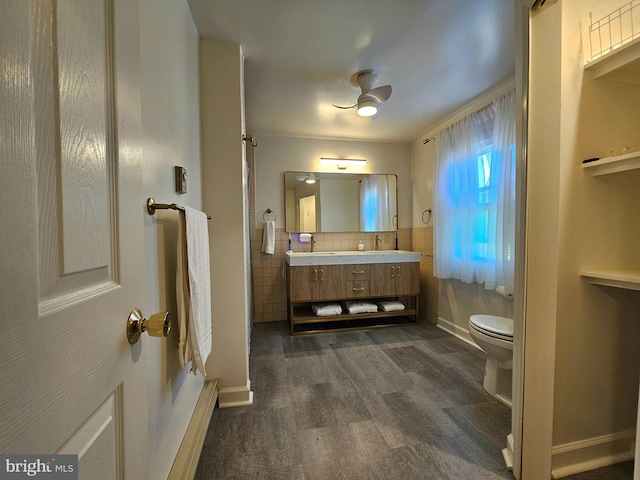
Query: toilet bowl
{"points": [[494, 335]]}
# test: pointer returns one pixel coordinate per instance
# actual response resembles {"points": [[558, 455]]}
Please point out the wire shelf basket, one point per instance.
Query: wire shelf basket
{"points": [[614, 30]]}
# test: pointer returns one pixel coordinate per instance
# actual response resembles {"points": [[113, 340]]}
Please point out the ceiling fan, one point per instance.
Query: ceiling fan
{"points": [[370, 100]]}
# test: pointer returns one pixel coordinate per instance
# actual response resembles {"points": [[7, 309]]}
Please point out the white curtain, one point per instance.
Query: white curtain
{"points": [[474, 225], [375, 212]]}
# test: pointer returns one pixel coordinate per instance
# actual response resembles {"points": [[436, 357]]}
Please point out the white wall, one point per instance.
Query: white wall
{"points": [[170, 129], [276, 155], [422, 158], [335, 195], [224, 198]]}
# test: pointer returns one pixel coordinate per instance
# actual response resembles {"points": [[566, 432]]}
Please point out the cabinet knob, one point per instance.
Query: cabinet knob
{"points": [[393, 272]]}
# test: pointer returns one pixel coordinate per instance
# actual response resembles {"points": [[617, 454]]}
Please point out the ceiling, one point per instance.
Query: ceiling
{"points": [[300, 54]]}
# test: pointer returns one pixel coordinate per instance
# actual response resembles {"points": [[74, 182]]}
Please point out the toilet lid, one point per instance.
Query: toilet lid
{"points": [[494, 324]]}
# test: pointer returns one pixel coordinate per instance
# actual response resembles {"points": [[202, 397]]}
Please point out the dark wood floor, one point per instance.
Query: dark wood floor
{"points": [[391, 403]]}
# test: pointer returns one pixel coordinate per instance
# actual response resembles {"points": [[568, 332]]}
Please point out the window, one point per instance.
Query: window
{"points": [[474, 226]]}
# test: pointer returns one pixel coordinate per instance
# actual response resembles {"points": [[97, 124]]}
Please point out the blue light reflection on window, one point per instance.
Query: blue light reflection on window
{"points": [[483, 189]]}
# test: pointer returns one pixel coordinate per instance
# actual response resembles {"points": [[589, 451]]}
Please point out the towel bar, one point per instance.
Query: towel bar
{"points": [[269, 211], [152, 206]]}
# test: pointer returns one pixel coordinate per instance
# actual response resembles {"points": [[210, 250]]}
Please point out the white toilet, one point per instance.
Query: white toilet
{"points": [[494, 335]]}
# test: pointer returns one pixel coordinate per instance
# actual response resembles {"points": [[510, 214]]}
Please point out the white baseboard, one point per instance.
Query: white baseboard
{"points": [[584, 455], [507, 453], [457, 331], [236, 396], [186, 461]]}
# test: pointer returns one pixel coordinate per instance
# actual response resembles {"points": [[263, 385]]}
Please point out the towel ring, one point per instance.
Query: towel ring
{"points": [[428, 210], [268, 211]]}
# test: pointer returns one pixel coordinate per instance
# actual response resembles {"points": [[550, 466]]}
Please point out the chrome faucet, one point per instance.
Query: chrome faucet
{"points": [[378, 242], [312, 243]]}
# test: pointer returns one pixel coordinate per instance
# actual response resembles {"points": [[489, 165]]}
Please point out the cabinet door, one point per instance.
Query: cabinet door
{"points": [[382, 280], [303, 283], [331, 282], [407, 278]]}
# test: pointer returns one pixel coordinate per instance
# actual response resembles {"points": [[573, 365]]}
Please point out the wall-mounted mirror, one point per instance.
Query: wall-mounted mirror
{"points": [[340, 202]]}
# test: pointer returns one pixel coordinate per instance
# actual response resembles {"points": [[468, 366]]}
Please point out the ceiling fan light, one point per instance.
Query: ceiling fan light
{"points": [[367, 108]]}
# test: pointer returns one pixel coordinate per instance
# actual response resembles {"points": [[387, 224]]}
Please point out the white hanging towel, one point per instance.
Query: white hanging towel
{"points": [[193, 290], [269, 237]]}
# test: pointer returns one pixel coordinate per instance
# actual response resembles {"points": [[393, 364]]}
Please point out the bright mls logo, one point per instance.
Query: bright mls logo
{"points": [[50, 467]]}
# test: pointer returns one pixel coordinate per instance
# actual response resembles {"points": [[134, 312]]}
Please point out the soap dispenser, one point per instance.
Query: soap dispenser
{"points": [[361, 245]]}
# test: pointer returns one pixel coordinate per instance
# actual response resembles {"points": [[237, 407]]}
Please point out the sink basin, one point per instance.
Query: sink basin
{"points": [[350, 257]]}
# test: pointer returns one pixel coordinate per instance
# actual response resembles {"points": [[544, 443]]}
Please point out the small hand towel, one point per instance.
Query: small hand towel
{"points": [[327, 309], [193, 290], [269, 237], [361, 307], [391, 306]]}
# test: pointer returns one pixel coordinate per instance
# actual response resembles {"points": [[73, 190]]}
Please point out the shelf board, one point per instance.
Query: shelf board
{"points": [[620, 65], [619, 163], [352, 324], [311, 318], [627, 279]]}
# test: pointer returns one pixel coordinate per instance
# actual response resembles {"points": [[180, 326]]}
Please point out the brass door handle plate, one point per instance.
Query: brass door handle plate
{"points": [[158, 325]]}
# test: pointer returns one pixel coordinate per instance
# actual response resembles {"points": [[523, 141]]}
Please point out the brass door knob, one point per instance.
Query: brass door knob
{"points": [[158, 325]]}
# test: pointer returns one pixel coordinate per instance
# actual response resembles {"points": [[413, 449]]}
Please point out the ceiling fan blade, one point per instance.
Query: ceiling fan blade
{"points": [[344, 108], [382, 93]]}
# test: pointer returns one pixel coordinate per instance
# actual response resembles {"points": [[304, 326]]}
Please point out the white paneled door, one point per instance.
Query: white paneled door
{"points": [[71, 234]]}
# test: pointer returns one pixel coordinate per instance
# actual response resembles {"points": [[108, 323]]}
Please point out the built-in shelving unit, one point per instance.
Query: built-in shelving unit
{"points": [[621, 65], [615, 58], [618, 163], [627, 279]]}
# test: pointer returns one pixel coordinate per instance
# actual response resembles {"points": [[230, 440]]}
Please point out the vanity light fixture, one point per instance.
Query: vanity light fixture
{"points": [[311, 178], [343, 163]]}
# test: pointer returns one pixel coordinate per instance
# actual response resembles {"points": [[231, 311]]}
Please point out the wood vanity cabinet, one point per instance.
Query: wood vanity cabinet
{"points": [[357, 281], [309, 284], [317, 282], [394, 279]]}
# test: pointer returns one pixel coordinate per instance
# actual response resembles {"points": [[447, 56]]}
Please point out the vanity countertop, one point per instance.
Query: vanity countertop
{"points": [[351, 257]]}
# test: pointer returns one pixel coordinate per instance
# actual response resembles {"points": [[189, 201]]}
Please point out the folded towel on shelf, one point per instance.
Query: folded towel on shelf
{"points": [[391, 306], [361, 307], [269, 237], [327, 310]]}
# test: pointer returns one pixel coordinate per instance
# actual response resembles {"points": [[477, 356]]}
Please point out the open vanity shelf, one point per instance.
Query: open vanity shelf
{"points": [[303, 320], [339, 277]]}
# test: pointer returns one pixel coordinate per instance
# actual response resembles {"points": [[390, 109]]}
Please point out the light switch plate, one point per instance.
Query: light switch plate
{"points": [[181, 179]]}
